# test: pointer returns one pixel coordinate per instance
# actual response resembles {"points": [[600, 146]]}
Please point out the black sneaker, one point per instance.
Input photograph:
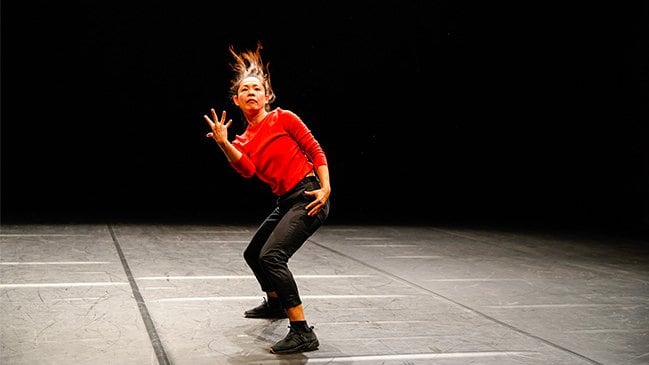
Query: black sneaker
{"points": [[266, 309], [296, 341]]}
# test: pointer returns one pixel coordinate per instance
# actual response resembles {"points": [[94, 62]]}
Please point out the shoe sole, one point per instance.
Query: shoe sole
{"points": [[264, 317], [311, 346]]}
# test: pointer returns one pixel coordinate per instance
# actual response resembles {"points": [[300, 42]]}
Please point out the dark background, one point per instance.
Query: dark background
{"points": [[429, 111]]}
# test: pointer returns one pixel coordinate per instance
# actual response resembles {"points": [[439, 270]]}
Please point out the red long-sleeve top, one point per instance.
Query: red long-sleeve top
{"points": [[280, 150]]}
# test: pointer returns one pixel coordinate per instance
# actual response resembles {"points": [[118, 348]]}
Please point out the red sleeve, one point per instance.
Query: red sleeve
{"points": [[244, 165], [305, 139]]}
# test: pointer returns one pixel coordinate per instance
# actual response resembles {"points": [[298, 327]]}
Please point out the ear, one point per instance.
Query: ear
{"points": [[235, 99]]}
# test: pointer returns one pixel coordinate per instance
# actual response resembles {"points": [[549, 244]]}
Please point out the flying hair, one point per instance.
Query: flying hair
{"points": [[249, 63]]}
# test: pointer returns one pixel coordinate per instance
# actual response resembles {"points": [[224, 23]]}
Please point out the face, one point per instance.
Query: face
{"points": [[251, 96]]}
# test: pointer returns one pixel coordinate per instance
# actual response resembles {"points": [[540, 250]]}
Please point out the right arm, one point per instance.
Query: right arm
{"points": [[220, 135]]}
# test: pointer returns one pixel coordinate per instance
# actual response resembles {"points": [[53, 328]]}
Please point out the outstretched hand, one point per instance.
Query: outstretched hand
{"points": [[219, 127]]}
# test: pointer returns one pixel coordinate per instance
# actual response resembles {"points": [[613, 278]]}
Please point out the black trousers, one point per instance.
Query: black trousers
{"points": [[281, 234]]}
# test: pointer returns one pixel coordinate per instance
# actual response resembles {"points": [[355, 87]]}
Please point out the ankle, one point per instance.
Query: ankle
{"points": [[301, 326]]}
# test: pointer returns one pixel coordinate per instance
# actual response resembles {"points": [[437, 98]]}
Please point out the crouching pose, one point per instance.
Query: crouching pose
{"points": [[279, 149]]}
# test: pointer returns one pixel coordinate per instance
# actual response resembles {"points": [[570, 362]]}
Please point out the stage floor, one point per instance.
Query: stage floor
{"points": [[174, 294]]}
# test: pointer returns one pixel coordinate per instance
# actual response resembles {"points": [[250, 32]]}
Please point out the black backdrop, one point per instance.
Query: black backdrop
{"points": [[429, 111]]}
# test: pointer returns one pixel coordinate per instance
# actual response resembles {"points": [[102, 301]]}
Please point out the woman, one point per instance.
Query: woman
{"points": [[281, 151]]}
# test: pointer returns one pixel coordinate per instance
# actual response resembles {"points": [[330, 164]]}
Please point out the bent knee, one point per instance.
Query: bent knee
{"points": [[273, 258]]}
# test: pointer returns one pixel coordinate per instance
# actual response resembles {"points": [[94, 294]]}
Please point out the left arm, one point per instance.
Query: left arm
{"points": [[311, 147]]}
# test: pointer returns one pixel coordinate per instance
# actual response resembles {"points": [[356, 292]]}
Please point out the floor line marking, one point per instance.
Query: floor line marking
{"points": [[373, 322], [204, 241], [204, 277], [565, 305], [43, 235], [477, 279], [639, 330], [368, 238], [387, 245], [224, 231], [451, 355], [62, 285], [414, 257], [144, 312], [256, 297], [74, 299], [391, 338], [55, 262], [220, 277]]}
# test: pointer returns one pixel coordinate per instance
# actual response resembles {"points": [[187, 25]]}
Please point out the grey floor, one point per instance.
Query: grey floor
{"points": [[174, 294]]}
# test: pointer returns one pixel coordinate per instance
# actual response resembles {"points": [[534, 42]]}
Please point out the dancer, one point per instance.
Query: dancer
{"points": [[279, 149]]}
